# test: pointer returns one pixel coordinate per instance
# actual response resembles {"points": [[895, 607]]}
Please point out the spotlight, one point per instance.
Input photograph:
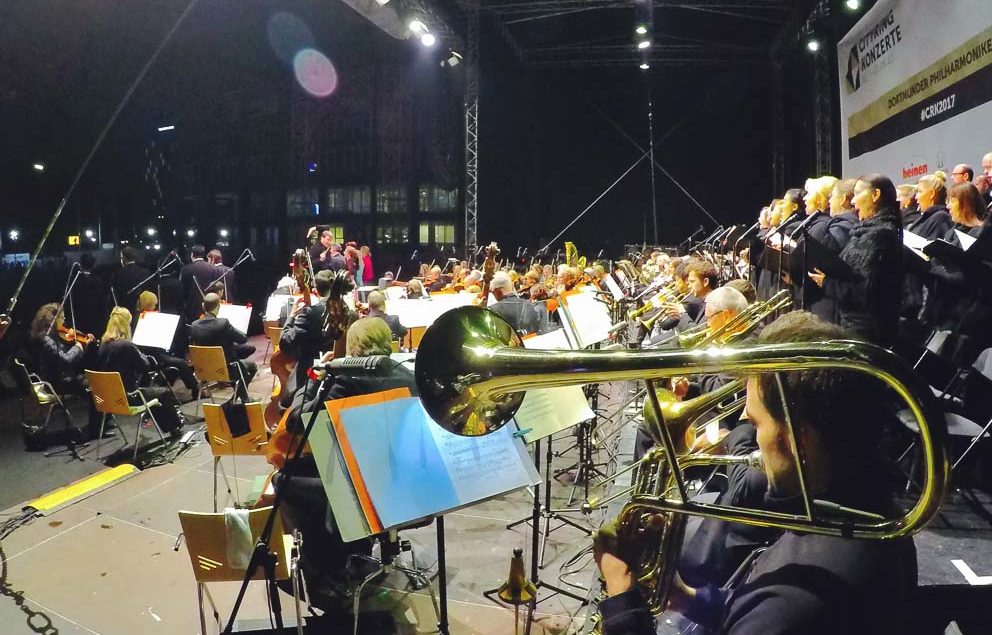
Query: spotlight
{"points": [[644, 44], [417, 26], [382, 3], [14, 235], [428, 39], [39, 167], [150, 231], [166, 128], [190, 233], [223, 233], [157, 247], [645, 66], [813, 45], [641, 30], [853, 5], [88, 233]]}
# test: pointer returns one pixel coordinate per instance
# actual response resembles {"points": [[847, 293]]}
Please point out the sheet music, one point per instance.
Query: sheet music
{"points": [[556, 340], [423, 312], [394, 293], [550, 410], [590, 318], [274, 305], [348, 515], [965, 240], [239, 316], [155, 330], [613, 288]]}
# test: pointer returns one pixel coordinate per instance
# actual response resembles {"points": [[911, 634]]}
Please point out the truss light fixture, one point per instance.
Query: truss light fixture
{"points": [[223, 233], [39, 167], [813, 45], [382, 3], [190, 233], [853, 5], [644, 44], [641, 30], [428, 40], [14, 235], [645, 66], [166, 128], [416, 26], [150, 231]]}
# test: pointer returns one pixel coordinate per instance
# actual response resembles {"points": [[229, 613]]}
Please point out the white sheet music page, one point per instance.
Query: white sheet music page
{"points": [[590, 317], [965, 240], [915, 243], [545, 411], [239, 316], [613, 287], [155, 330]]}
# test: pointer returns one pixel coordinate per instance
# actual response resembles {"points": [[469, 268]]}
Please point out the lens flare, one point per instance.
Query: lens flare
{"points": [[287, 35], [315, 73]]}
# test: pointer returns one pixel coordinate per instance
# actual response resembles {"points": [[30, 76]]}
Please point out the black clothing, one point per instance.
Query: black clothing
{"points": [[518, 312], [59, 362], [952, 294], [124, 280], [303, 339], [932, 224], [88, 307], [832, 234], [695, 314], [397, 329], [226, 275], [869, 307], [121, 356], [194, 277], [215, 331], [911, 215]]}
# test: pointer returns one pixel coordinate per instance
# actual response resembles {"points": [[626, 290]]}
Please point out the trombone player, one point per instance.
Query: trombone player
{"points": [[803, 582]]}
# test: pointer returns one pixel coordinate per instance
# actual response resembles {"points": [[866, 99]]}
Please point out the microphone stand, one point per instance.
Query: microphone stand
{"points": [[74, 272], [245, 255], [802, 231], [750, 260], [161, 269]]}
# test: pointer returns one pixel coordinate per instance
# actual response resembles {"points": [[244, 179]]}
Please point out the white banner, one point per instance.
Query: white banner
{"points": [[916, 88]]}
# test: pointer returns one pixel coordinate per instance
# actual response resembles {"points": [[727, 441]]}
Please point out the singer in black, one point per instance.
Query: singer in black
{"points": [[869, 305], [130, 275], [195, 277], [325, 555]]}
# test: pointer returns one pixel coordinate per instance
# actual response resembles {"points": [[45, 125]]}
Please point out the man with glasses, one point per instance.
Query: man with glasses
{"points": [[962, 173]]}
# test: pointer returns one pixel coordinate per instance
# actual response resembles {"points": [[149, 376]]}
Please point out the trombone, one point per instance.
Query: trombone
{"points": [[472, 372]]}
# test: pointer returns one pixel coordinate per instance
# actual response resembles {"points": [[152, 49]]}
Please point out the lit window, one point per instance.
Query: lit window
{"points": [[434, 199], [391, 200]]}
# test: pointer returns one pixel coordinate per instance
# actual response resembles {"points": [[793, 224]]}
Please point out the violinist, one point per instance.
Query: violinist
{"points": [[415, 290], [61, 356], [118, 354]]}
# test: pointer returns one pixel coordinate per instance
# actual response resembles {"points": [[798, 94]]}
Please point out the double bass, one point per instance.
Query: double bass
{"points": [[488, 270], [282, 363]]}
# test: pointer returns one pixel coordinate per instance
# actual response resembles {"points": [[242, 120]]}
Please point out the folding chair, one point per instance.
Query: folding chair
{"points": [[222, 443], [272, 332], [110, 398], [207, 542], [210, 366], [47, 398], [414, 335]]}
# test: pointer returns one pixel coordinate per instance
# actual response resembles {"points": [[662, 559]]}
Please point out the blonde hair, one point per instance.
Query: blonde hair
{"points": [[823, 186], [936, 183], [147, 301], [118, 325], [906, 189]]}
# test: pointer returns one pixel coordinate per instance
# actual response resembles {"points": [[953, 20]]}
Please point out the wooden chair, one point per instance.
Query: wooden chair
{"points": [[414, 335], [207, 543], [110, 398], [272, 332], [222, 443], [211, 367]]}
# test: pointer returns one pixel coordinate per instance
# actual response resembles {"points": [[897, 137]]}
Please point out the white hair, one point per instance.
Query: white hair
{"points": [[501, 280], [726, 299], [474, 276]]}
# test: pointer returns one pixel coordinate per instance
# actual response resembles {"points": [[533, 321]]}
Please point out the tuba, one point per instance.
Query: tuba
{"points": [[472, 371]]}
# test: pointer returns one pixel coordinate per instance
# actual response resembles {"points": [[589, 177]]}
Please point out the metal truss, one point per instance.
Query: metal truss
{"points": [[661, 54], [471, 129], [823, 120]]}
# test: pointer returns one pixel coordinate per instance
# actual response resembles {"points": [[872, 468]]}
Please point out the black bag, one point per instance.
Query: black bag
{"points": [[236, 415]]}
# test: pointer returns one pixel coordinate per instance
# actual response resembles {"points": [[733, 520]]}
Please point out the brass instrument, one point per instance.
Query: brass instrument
{"points": [[472, 372], [738, 326]]}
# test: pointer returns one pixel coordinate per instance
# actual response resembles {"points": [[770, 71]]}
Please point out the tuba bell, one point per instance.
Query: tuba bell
{"points": [[472, 371]]}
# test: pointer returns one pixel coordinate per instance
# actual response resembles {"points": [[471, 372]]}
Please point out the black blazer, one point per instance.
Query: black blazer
{"points": [[933, 223], [195, 277], [124, 280], [518, 312], [215, 331], [303, 338], [121, 356]]}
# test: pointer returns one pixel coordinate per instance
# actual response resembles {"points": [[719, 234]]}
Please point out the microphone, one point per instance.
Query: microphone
{"points": [[413, 256], [802, 225], [373, 365], [250, 255], [174, 254], [525, 252], [518, 251], [600, 254]]}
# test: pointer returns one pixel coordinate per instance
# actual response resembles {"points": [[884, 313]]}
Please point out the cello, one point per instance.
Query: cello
{"points": [[488, 270], [282, 363]]}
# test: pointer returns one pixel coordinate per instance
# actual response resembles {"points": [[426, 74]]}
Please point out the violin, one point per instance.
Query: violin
{"points": [[72, 336]]}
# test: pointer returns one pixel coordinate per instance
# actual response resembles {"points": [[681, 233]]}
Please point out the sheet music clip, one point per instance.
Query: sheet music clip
{"points": [[520, 433]]}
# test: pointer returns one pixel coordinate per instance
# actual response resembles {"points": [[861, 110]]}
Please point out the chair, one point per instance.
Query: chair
{"points": [[47, 399], [222, 443], [110, 398], [272, 332], [390, 547], [414, 335], [395, 345], [207, 543], [210, 366]]}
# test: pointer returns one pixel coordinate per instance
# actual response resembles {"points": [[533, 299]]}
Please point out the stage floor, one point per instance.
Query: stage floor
{"points": [[107, 565]]}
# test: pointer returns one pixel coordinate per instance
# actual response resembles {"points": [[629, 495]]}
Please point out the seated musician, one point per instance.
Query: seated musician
{"points": [[324, 553], [211, 330], [148, 301], [415, 290], [61, 356], [377, 309], [568, 277], [520, 313], [118, 354], [803, 582], [700, 279]]}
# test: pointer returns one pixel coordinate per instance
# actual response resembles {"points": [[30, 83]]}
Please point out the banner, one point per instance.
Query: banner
{"points": [[916, 88]]}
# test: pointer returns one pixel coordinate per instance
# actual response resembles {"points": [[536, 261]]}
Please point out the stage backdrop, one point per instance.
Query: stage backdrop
{"points": [[916, 88]]}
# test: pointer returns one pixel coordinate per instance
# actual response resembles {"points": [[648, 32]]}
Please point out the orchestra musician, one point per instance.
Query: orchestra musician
{"points": [[172, 358], [223, 274], [802, 583], [118, 354], [520, 313], [194, 277], [129, 276], [377, 309], [211, 330], [415, 290]]}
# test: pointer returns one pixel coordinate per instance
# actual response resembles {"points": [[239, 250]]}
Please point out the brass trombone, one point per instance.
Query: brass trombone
{"points": [[472, 372]]}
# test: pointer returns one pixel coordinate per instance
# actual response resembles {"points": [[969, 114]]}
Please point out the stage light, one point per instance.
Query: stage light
{"points": [[853, 5], [417, 26], [166, 128], [645, 66], [428, 39], [88, 233], [150, 231], [641, 30], [454, 60], [190, 233], [644, 44], [813, 45], [157, 246], [382, 3], [223, 233], [311, 167], [39, 167], [14, 235]]}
